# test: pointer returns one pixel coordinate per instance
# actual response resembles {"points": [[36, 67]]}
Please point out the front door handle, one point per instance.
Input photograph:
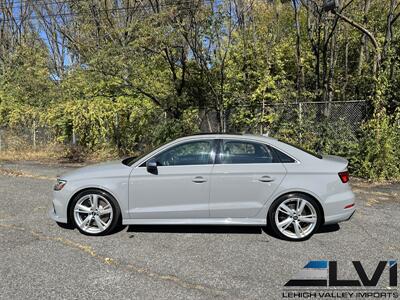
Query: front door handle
{"points": [[199, 179], [266, 178]]}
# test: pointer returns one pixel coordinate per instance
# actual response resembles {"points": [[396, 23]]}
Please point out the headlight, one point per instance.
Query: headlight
{"points": [[60, 184]]}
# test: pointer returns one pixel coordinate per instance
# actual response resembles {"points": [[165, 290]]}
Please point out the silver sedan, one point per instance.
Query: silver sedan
{"points": [[210, 179]]}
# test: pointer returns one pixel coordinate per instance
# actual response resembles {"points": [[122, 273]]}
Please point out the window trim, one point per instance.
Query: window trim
{"points": [[211, 159], [217, 156]]}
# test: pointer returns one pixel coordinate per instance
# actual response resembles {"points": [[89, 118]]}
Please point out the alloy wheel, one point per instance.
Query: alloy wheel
{"points": [[93, 213], [296, 218]]}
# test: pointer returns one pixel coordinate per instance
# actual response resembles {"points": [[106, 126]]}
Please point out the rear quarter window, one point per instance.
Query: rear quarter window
{"points": [[284, 158]]}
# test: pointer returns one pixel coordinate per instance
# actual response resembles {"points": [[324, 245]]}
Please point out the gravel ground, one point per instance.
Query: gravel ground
{"points": [[40, 260]]}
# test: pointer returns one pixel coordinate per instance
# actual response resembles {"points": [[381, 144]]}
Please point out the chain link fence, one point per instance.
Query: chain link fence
{"points": [[310, 118], [338, 121], [351, 113], [31, 137]]}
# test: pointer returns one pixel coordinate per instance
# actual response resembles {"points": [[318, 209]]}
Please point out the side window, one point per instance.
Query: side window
{"points": [[191, 153], [242, 152]]}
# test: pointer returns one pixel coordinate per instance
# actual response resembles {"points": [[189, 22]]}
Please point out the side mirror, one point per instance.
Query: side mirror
{"points": [[151, 166]]}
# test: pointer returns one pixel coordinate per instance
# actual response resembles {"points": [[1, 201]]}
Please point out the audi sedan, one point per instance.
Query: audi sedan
{"points": [[210, 179]]}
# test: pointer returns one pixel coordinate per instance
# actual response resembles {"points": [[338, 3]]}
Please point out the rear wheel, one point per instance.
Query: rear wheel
{"points": [[294, 217], [95, 212]]}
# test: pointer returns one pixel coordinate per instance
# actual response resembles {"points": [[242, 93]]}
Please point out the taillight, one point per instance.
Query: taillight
{"points": [[344, 176]]}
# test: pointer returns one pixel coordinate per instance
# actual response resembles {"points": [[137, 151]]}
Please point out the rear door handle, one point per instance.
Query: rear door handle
{"points": [[199, 179], [266, 178]]}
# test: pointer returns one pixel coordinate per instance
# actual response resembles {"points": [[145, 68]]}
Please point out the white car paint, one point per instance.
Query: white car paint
{"points": [[171, 194], [241, 190], [238, 194]]}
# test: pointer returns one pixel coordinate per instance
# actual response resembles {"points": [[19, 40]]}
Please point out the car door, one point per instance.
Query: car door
{"points": [[244, 177], [180, 186]]}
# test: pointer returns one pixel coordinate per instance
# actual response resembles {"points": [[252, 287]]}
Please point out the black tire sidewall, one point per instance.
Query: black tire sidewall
{"points": [[114, 204], [277, 202]]}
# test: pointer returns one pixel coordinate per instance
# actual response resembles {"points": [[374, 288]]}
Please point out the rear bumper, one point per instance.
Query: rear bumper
{"points": [[345, 216], [336, 207]]}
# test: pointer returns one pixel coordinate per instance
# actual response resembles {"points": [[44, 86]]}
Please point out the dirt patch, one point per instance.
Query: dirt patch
{"points": [[376, 192], [18, 173]]}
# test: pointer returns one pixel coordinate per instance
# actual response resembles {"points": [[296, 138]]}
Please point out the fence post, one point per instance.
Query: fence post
{"points": [[73, 136], [223, 119], [34, 135], [262, 117], [300, 112], [300, 120]]}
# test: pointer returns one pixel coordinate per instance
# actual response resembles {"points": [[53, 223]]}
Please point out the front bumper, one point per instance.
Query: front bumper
{"points": [[60, 205], [55, 217]]}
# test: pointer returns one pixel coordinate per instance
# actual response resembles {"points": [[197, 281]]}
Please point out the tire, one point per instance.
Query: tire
{"points": [[92, 219], [294, 217]]}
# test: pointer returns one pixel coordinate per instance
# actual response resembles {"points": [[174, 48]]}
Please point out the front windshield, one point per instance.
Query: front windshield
{"points": [[129, 161]]}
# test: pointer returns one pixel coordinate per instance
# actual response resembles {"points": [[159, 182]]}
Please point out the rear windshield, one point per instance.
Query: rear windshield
{"points": [[302, 149]]}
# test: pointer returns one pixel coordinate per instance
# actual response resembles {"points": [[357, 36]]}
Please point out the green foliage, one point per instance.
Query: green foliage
{"points": [[379, 153], [379, 146], [138, 80]]}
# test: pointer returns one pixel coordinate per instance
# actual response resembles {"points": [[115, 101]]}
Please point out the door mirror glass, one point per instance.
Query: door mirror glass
{"points": [[151, 166]]}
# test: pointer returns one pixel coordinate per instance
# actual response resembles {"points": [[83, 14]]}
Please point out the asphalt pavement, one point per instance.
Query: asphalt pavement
{"points": [[40, 260]]}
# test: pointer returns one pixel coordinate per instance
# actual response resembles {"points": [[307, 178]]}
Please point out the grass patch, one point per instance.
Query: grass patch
{"points": [[58, 154], [48, 154]]}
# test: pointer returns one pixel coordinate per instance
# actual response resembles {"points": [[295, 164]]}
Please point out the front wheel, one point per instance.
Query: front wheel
{"points": [[95, 212], [294, 217]]}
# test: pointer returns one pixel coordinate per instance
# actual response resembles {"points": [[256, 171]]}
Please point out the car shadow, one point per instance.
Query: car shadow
{"points": [[218, 229], [196, 229], [321, 229], [328, 228]]}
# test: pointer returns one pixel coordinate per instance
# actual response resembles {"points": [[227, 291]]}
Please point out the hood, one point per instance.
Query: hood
{"points": [[107, 169]]}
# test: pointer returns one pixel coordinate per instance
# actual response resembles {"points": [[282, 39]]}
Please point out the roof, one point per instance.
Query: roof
{"points": [[228, 136]]}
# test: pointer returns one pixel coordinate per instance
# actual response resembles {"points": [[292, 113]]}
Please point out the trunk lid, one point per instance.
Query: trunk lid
{"points": [[339, 162]]}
